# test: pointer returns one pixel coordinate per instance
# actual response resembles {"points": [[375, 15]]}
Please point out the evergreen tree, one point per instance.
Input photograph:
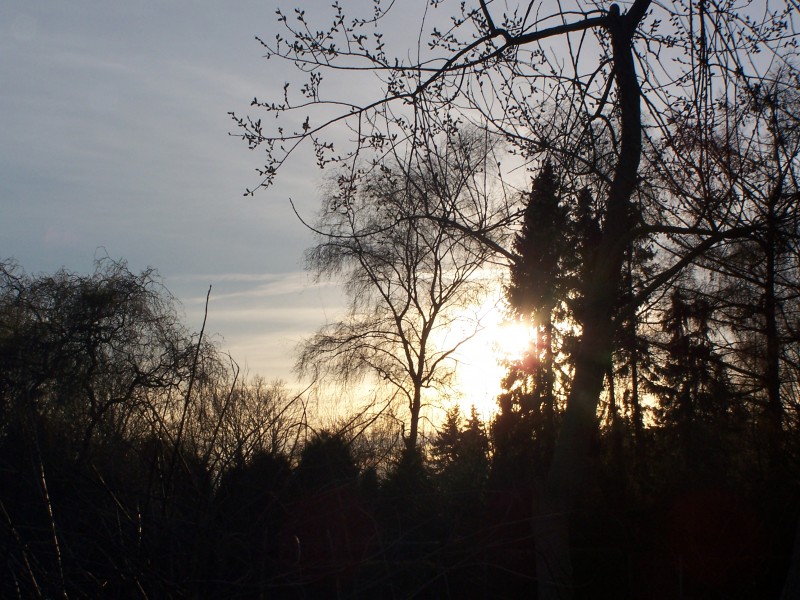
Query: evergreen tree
{"points": [[524, 431], [461, 452], [444, 449], [539, 249], [693, 388]]}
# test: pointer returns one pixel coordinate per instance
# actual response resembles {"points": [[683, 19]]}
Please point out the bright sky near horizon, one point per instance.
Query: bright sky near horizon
{"points": [[115, 142]]}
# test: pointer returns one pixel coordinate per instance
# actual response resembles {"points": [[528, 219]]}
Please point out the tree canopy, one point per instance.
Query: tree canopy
{"points": [[609, 95]]}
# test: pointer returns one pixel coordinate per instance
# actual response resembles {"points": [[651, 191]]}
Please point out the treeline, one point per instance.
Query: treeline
{"points": [[653, 424], [135, 461], [117, 427]]}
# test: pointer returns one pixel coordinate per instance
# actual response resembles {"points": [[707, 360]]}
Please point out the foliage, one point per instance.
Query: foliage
{"points": [[117, 425], [84, 351], [250, 500], [631, 105], [460, 452], [538, 271]]}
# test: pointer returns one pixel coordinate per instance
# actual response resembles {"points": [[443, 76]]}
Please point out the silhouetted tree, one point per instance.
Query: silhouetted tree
{"points": [[755, 278], [552, 257], [694, 393], [460, 453], [116, 424], [84, 352], [569, 84], [250, 510], [408, 279]]}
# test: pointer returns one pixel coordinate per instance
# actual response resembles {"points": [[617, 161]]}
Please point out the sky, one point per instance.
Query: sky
{"points": [[115, 142]]}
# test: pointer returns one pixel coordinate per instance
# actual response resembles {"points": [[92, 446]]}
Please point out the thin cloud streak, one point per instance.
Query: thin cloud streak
{"points": [[260, 318]]}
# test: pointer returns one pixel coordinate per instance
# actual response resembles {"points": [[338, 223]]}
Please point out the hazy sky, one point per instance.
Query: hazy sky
{"points": [[115, 141]]}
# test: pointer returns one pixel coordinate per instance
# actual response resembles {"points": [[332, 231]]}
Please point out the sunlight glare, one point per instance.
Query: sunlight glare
{"points": [[481, 359]]}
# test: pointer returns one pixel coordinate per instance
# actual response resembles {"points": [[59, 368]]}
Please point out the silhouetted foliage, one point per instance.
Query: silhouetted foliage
{"points": [[460, 454], [109, 458], [537, 281], [538, 293], [409, 280], [240, 505], [647, 446]]}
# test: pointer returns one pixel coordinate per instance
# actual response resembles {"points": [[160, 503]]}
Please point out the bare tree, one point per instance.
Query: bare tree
{"points": [[410, 280], [741, 170], [89, 352]]}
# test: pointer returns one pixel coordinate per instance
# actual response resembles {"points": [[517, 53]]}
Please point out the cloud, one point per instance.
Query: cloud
{"points": [[260, 317], [116, 135], [115, 121]]}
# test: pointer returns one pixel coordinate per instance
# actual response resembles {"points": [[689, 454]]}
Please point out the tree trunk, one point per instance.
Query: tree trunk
{"points": [[549, 409], [414, 409], [772, 366], [568, 471], [636, 408]]}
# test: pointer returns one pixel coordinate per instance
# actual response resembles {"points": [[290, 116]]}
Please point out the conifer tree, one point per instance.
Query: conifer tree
{"points": [[461, 452], [693, 388], [536, 294]]}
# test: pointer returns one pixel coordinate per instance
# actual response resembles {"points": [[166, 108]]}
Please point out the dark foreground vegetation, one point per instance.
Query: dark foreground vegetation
{"points": [[653, 429], [135, 462], [646, 446]]}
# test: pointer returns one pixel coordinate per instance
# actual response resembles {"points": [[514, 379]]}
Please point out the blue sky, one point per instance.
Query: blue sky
{"points": [[115, 142]]}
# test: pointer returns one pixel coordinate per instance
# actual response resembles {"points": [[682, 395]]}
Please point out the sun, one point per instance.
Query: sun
{"points": [[480, 360]]}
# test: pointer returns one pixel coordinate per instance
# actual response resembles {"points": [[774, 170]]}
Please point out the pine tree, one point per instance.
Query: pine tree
{"points": [[536, 273], [693, 388], [461, 452], [524, 431]]}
